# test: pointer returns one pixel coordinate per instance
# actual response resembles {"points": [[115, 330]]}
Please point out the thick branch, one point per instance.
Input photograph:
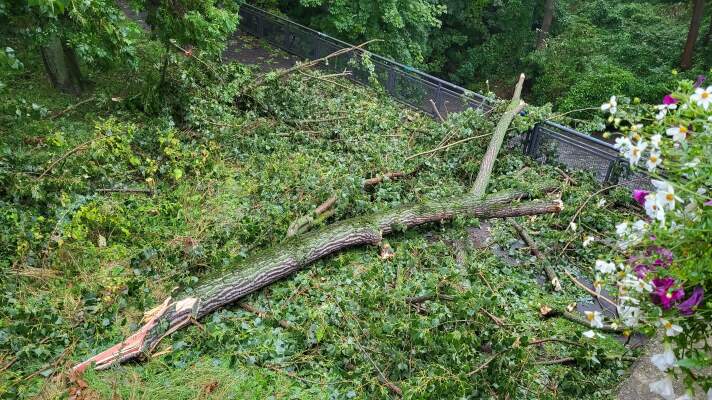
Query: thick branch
{"points": [[298, 252], [483, 175]]}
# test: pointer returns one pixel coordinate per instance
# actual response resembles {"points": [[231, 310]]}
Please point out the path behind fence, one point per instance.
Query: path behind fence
{"points": [[547, 142]]}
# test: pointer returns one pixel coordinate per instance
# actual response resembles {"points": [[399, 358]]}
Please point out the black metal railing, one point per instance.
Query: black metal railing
{"points": [[548, 141]]}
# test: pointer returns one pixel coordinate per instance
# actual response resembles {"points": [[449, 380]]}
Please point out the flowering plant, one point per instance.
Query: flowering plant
{"points": [[661, 268]]}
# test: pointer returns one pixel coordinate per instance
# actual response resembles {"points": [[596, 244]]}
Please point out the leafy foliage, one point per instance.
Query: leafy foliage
{"points": [[225, 178]]}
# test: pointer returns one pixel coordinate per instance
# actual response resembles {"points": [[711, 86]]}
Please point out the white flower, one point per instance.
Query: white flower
{"points": [[601, 203], [663, 109], [655, 140], [703, 97], [670, 328], [654, 160], [665, 194], [594, 318], [685, 396], [589, 334], [635, 151], [622, 229], [588, 240], [611, 106], [654, 209], [573, 226], [605, 267], [663, 388], [678, 133], [630, 316], [709, 392], [622, 143], [631, 281], [639, 227], [665, 360]]}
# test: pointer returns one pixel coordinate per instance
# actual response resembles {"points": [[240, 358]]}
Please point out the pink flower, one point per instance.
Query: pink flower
{"points": [[708, 203], [663, 294], [668, 100], [639, 196], [689, 306]]}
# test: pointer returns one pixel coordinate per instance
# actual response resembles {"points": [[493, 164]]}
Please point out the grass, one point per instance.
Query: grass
{"points": [[80, 266]]}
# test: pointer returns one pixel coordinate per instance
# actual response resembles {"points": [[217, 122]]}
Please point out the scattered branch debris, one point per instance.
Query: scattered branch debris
{"points": [[534, 249]]}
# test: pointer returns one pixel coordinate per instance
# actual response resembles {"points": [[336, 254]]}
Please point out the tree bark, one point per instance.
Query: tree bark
{"points": [[487, 164], [545, 23], [695, 22], [62, 66], [300, 251]]}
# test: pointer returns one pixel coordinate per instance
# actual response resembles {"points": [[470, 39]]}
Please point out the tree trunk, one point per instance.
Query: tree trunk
{"points": [[545, 22], [695, 22], [61, 65], [300, 251]]}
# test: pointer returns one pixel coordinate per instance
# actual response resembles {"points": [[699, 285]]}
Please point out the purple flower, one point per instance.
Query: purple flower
{"points": [[639, 196], [669, 100], [700, 80], [663, 253], [663, 294], [708, 203], [641, 270], [689, 306]]}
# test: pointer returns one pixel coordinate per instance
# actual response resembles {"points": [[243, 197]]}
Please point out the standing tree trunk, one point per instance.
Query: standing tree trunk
{"points": [[697, 14], [62, 67], [545, 22]]}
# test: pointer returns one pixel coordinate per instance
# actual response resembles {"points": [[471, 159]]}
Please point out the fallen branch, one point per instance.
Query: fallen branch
{"points": [[76, 149], [551, 313], [124, 190], [299, 252], [593, 293], [426, 297], [72, 107], [437, 112], [578, 212], [264, 314], [388, 175], [281, 74], [443, 147], [534, 249], [483, 175], [324, 78], [302, 224]]}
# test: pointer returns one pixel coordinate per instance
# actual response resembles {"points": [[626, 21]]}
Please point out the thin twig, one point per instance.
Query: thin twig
{"points": [[78, 148], [325, 79], [534, 249], [279, 75], [124, 190], [573, 219], [591, 292], [426, 297], [447, 146], [72, 107], [564, 360], [264, 314]]}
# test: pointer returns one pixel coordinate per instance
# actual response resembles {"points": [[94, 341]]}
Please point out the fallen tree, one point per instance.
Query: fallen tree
{"points": [[302, 250]]}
